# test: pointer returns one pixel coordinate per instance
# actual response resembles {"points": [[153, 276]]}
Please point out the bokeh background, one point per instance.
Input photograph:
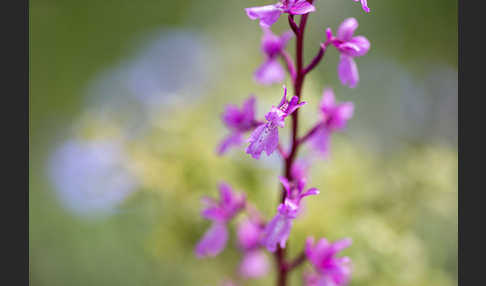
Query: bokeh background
{"points": [[125, 106]]}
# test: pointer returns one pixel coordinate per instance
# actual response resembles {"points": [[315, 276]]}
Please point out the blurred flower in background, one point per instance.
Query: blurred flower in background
{"points": [[91, 177]]}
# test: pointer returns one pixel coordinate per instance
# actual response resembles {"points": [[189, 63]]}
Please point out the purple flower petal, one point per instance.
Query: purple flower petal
{"points": [[328, 101], [346, 29], [299, 7], [249, 234], [271, 141], [342, 113], [227, 197], [242, 120], [231, 140], [273, 45], [277, 232], [320, 141], [341, 244], [284, 97], [249, 109], [356, 47], [364, 4], [332, 270], [270, 72], [228, 206], [264, 138], [348, 71], [214, 213], [293, 105], [267, 14], [254, 264], [310, 192], [213, 241], [335, 115]]}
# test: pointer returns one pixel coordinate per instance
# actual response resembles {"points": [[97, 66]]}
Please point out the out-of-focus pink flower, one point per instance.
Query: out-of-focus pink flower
{"points": [[271, 71], [331, 270], [334, 117], [349, 47], [265, 136], [249, 234], [278, 229], [226, 208], [269, 14], [213, 241], [238, 122], [254, 264], [220, 212]]}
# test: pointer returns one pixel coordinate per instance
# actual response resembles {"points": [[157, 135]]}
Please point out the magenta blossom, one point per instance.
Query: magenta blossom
{"points": [[265, 136], [238, 122], [331, 270], [271, 71], [349, 47], [220, 212], [278, 229], [249, 234], [255, 262], [334, 118], [213, 241], [269, 14], [364, 4]]}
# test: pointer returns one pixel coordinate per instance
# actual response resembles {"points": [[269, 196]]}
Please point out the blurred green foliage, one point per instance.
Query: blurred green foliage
{"points": [[399, 206]]}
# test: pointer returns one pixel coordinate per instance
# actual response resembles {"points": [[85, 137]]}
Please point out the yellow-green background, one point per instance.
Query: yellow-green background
{"points": [[390, 183]]}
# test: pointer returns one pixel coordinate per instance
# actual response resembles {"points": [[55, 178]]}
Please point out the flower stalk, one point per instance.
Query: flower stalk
{"points": [[256, 234]]}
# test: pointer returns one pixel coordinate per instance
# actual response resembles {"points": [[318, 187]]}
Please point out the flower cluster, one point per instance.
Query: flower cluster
{"points": [[255, 235]]}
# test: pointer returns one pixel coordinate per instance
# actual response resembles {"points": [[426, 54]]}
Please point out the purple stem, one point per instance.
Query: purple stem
{"points": [[293, 25], [290, 64], [316, 59], [297, 261], [310, 133], [282, 266]]}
